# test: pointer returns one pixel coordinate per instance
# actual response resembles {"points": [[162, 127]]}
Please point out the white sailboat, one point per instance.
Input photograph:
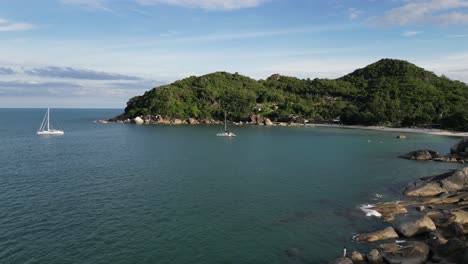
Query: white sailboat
{"points": [[45, 126], [226, 133]]}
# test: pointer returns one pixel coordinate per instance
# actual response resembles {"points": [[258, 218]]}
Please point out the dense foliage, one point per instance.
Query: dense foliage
{"points": [[388, 92]]}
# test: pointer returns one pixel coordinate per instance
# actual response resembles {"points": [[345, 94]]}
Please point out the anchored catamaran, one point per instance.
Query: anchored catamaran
{"points": [[45, 126]]}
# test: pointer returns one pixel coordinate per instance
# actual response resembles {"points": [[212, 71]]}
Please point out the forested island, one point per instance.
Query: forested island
{"points": [[389, 92]]}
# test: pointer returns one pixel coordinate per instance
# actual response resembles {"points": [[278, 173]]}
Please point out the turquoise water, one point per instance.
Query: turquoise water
{"points": [[116, 193]]}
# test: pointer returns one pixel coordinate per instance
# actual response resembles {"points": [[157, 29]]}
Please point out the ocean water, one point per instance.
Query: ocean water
{"points": [[118, 193]]}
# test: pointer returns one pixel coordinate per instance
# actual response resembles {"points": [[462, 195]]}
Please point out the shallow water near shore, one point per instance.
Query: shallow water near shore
{"points": [[118, 193]]}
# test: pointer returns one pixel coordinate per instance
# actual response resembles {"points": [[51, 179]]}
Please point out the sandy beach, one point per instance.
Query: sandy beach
{"points": [[439, 132]]}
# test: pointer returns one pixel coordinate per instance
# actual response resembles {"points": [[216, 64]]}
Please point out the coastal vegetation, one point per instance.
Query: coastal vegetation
{"points": [[389, 92]]}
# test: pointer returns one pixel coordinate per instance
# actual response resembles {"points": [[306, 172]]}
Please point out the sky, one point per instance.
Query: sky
{"points": [[100, 53]]}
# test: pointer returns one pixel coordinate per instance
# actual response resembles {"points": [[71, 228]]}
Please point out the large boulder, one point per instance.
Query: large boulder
{"points": [[357, 257], [412, 252], [461, 217], [417, 227], [387, 233], [450, 182], [374, 257], [424, 154], [455, 250], [138, 120], [461, 148], [268, 122]]}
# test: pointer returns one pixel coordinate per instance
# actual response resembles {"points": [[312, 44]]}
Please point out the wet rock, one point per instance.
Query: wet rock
{"points": [[357, 257], [374, 257], [177, 122], [421, 208], [412, 252], [424, 154], [390, 208], [387, 233], [402, 137], [417, 227]]}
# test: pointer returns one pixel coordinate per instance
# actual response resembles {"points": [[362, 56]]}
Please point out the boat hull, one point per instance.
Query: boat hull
{"points": [[51, 132], [227, 134]]}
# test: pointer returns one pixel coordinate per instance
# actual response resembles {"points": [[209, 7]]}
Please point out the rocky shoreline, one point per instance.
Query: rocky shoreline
{"points": [[159, 120], [438, 207]]}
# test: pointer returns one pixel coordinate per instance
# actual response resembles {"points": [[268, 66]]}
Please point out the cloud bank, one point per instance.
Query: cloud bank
{"points": [[68, 72], [439, 12], [207, 4]]}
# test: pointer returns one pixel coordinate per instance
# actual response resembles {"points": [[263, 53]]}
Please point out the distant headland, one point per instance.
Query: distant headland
{"points": [[390, 93]]}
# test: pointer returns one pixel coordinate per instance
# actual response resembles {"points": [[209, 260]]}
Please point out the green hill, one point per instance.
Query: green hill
{"points": [[388, 92]]}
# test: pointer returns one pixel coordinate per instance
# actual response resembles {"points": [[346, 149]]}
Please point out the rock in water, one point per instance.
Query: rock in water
{"points": [[420, 226], [387, 233], [461, 148], [424, 154], [138, 120], [402, 137], [357, 257], [412, 252], [374, 257], [450, 182], [268, 122]]}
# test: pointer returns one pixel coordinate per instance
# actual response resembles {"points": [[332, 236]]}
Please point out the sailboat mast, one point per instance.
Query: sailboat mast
{"points": [[48, 117], [225, 122]]}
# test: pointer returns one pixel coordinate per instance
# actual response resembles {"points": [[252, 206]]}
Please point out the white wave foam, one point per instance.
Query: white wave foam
{"points": [[367, 208]]}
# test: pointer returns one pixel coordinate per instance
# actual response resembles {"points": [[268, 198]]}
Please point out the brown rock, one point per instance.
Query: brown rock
{"points": [[268, 122], [402, 137], [387, 233], [461, 147], [412, 252], [424, 154], [390, 208], [421, 208], [357, 257], [419, 226], [374, 257]]}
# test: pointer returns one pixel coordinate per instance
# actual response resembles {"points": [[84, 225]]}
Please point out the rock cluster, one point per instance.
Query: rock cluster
{"points": [[159, 120], [438, 232], [458, 153]]}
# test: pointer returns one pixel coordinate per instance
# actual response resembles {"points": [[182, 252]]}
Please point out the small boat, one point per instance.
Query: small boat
{"points": [[226, 133], [45, 126]]}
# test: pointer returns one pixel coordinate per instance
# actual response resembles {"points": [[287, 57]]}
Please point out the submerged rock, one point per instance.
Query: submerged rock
{"points": [[424, 154], [417, 227], [387, 233], [343, 261]]}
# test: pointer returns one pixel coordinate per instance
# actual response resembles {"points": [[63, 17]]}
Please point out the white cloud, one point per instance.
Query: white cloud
{"points": [[90, 4], [410, 33], [207, 4], [458, 36], [6, 25], [354, 13], [439, 12]]}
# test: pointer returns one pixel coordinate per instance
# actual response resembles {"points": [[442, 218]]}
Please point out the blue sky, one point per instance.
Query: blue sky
{"points": [[100, 53]]}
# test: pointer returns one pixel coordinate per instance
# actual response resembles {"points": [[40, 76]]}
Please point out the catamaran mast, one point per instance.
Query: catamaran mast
{"points": [[225, 122], [48, 117]]}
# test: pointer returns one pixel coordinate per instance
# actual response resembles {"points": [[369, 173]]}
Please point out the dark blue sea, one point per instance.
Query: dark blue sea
{"points": [[120, 193]]}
